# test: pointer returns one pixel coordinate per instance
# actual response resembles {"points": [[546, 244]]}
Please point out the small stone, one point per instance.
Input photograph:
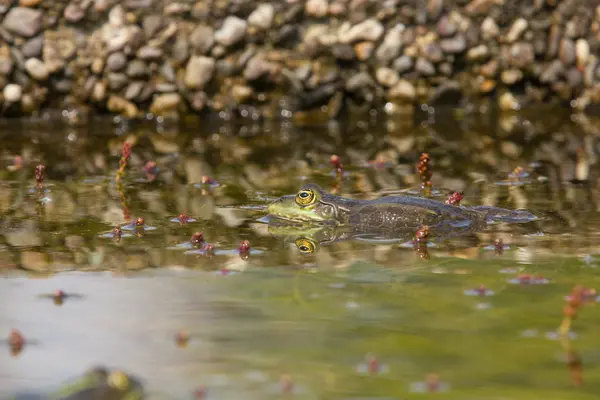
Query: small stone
{"points": [[553, 72], [121, 106], [424, 67], [342, 51], [199, 100], [232, 31], [574, 77], [391, 46], [433, 52], [478, 53], [387, 77], [12, 93], [489, 28], [317, 8], [74, 13], [364, 50], [29, 3], [151, 25], [201, 39], [199, 71], [446, 27], [181, 50], [134, 89], [6, 65], [403, 64], [99, 91], [521, 55], [511, 76], [241, 93], [508, 102], [403, 90], [137, 69], [455, 45], [165, 103], [116, 61], [434, 9], [23, 21], [369, 30], [481, 7], [263, 16], [567, 52], [149, 53], [582, 52], [116, 81], [516, 30], [256, 68], [33, 47], [36, 69]]}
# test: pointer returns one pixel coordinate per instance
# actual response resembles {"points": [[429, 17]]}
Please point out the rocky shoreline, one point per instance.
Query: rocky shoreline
{"points": [[134, 57]]}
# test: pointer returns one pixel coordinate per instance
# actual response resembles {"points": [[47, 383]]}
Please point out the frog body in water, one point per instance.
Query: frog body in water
{"points": [[313, 205]]}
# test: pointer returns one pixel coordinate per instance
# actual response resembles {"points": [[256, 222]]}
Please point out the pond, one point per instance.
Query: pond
{"points": [[473, 317]]}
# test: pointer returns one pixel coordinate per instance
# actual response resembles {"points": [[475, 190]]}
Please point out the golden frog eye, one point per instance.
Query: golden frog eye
{"points": [[305, 197], [305, 246]]}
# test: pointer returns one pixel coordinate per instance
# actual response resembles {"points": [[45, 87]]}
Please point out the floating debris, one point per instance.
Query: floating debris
{"points": [[207, 182], [455, 198], [59, 296], [183, 219], [371, 366], [182, 338], [421, 241], [479, 291], [529, 279], [432, 384], [16, 342]]}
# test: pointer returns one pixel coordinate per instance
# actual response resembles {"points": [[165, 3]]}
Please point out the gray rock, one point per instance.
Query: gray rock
{"points": [[152, 24], [567, 52], [257, 67], [359, 81], [167, 71], [521, 55], [116, 81], [391, 46], [36, 68], [199, 71], [116, 61], [23, 21], [387, 77], [434, 9], [232, 31], [263, 16], [181, 50], [574, 77], [342, 51], [149, 53], [33, 47], [12, 93], [134, 89], [446, 27], [201, 39], [433, 52], [6, 66], [424, 67], [370, 30], [137, 69], [74, 13], [455, 45], [553, 72], [403, 64], [166, 87]]}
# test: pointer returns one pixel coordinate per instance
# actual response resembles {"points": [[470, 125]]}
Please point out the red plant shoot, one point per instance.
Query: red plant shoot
{"points": [[244, 249], [424, 168], [197, 239], [183, 218], [117, 233], [16, 341], [125, 154], [455, 198], [421, 239], [337, 164]]}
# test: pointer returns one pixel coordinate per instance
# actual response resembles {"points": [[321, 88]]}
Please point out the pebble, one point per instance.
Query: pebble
{"points": [[232, 31], [202, 39], [446, 27], [6, 66], [149, 53], [424, 67], [582, 52], [455, 45], [516, 30], [489, 29], [263, 16], [391, 46], [199, 71], [12, 93], [370, 30], [137, 69], [403, 64], [403, 90], [387, 77], [364, 50], [116, 61], [33, 47], [567, 52], [478, 53], [36, 69], [317, 8], [74, 13], [134, 89], [165, 103], [23, 21]]}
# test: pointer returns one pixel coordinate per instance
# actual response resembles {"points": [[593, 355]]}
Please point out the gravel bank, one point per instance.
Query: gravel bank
{"points": [[132, 57]]}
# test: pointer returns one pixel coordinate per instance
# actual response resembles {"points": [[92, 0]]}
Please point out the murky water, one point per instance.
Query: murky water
{"points": [[352, 319]]}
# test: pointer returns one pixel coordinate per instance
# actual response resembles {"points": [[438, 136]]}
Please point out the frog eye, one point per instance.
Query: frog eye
{"points": [[305, 197], [305, 246]]}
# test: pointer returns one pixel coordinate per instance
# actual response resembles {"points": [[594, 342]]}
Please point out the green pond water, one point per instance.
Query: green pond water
{"points": [[353, 319]]}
